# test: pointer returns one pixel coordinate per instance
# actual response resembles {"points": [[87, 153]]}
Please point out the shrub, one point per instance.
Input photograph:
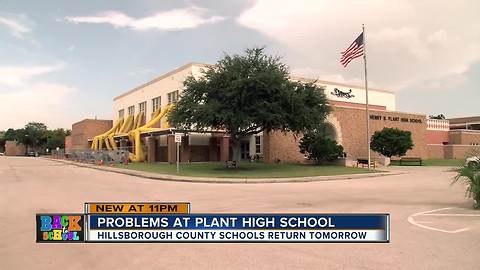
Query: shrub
{"points": [[391, 142], [318, 147], [470, 175]]}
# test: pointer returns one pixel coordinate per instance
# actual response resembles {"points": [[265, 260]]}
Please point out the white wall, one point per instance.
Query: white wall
{"points": [[375, 97], [166, 83]]}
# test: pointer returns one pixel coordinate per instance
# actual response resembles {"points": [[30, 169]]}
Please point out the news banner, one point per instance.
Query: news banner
{"points": [[172, 222]]}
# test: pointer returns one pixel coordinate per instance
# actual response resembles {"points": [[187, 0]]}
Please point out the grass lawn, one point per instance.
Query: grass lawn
{"points": [[431, 162], [246, 169]]}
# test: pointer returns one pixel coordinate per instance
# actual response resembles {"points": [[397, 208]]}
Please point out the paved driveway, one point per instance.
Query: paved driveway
{"points": [[432, 225]]}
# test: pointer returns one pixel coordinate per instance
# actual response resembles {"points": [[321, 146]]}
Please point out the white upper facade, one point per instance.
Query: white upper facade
{"points": [[160, 87], [166, 84], [354, 94]]}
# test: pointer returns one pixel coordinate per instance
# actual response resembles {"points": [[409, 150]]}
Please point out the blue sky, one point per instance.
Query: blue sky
{"points": [[62, 61]]}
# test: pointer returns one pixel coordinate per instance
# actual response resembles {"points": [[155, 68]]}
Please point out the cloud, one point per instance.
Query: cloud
{"points": [[39, 102], [408, 42], [172, 20], [26, 96], [313, 73], [16, 28], [17, 76]]}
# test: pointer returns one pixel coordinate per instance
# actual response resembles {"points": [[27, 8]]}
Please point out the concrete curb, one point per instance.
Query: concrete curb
{"points": [[217, 180]]}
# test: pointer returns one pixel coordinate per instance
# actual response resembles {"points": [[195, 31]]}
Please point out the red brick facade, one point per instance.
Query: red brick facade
{"points": [[14, 149], [464, 137], [350, 130], [87, 129], [437, 137]]}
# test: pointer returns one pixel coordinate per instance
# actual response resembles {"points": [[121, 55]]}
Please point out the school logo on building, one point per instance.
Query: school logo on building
{"points": [[338, 93]]}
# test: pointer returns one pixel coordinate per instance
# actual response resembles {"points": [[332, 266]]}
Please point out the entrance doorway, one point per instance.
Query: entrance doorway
{"points": [[245, 150]]}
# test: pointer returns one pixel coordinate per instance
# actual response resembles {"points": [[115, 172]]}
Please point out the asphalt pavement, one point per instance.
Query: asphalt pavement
{"points": [[432, 223]]}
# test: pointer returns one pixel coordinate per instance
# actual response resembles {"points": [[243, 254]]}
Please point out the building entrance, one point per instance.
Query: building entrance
{"points": [[245, 150]]}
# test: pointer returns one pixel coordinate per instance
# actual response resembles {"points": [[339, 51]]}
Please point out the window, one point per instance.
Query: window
{"points": [[131, 110], [121, 113], [156, 104], [141, 107], [257, 145], [172, 97]]}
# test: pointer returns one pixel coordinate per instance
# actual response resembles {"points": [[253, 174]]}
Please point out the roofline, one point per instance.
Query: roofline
{"points": [[378, 110], [463, 117], [163, 76], [466, 123], [300, 78], [93, 119], [210, 65]]}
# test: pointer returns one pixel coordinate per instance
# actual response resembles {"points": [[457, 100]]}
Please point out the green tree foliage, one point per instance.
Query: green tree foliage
{"points": [[2, 141], [55, 138], [248, 93], [470, 175], [10, 134], [32, 134], [317, 146], [36, 135], [391, 142]]}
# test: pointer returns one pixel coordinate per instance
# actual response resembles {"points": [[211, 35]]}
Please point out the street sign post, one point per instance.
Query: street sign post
{"points": [[178, 141], [178, 137]]}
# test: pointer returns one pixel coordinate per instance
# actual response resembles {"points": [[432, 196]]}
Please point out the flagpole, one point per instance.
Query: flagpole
{"points": [[367, 114]]}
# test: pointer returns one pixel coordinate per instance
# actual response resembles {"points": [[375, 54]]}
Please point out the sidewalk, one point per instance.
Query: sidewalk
{"points": [[181, 178]]}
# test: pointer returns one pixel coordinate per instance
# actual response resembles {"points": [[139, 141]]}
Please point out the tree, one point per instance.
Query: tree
{"points": [[2, 141], [317, 146], [10, 134], [33, 134], [55, 138], [37, 136], [245, 94], [391, 142]]}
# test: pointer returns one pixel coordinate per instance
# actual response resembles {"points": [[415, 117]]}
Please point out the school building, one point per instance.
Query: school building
{"points": [[452, 138]]}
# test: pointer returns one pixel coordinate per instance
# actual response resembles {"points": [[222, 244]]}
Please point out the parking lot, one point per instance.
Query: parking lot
{"points": [[433, 226]]}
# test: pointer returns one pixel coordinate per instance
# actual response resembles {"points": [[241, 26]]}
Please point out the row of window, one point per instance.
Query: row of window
{"points": [[172, 97]]}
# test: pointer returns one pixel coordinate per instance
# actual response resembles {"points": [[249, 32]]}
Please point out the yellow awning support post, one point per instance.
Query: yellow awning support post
{"points": [[138, 155], [97, 142]]}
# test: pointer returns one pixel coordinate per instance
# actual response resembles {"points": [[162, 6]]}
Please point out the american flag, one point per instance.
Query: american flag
{"points": [[355, 50]]}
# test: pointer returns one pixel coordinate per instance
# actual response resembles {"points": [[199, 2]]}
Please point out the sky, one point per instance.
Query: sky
{"points": [[63, 61]]}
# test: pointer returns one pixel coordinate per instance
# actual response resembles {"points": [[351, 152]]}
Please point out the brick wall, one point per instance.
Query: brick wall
{"points": [[437, 136], [87, 129], [461, 151], [454, 137], [465, 137], [452, 151], [352, 125], [356, 105], [68, 143], [435, 151], [14, 149], [278, 146]]}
